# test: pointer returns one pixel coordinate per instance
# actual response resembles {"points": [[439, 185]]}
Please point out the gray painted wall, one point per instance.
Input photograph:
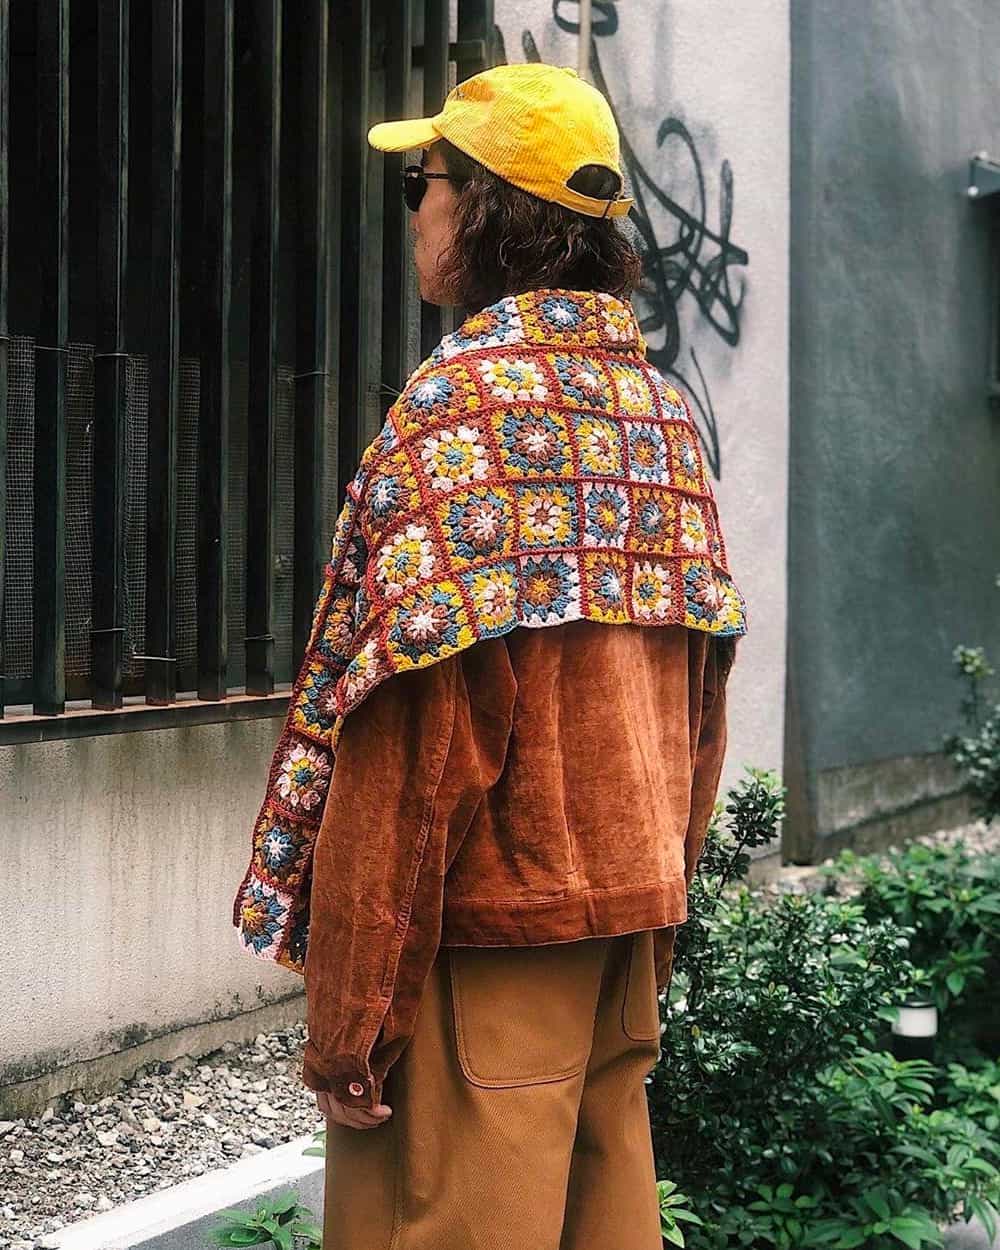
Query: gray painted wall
{"points": [[701, 92], [894, 520]]}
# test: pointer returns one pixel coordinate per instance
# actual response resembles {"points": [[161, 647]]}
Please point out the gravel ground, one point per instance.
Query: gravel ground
{"points": [[169, 1122], [176, 1120], [979, 839]]}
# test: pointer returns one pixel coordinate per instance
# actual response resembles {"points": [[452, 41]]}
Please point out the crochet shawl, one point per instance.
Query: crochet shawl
{"points": [[536, 469]]}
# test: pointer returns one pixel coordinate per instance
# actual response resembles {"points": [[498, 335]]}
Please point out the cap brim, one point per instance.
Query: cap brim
{"points": [[404, 136]]}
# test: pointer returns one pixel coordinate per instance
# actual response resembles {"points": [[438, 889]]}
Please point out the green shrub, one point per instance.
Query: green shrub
{"points": [[976, 1092], [774, 1107], [950, 899], [976, 753], [281, 1222], [673, 1212]]}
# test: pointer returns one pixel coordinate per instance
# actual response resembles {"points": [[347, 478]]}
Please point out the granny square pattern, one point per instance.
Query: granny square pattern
{"points": [[535, 470]]}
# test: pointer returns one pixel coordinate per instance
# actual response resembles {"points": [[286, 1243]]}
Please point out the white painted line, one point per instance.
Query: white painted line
{"points": [[178, 1205]]}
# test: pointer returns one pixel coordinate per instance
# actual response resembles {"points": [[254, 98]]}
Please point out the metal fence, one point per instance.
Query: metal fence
{"points": [[206, 307]]}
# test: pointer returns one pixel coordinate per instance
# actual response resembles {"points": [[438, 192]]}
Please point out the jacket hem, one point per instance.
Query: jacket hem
{"points": [[593, 913]]}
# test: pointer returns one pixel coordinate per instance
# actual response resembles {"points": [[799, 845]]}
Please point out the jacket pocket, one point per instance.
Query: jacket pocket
{"points": [[524, 1015], [640, 1005]]}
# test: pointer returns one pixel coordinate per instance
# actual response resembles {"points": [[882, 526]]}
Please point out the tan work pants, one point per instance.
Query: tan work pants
{"points": [[519, 1109]]}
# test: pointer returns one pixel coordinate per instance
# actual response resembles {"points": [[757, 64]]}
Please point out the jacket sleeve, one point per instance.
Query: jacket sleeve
{"points": [[413, 762], [708, 757], [710, 752]]}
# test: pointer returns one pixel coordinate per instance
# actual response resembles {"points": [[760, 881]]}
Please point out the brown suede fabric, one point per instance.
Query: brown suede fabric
{"points": [[545, 786]]}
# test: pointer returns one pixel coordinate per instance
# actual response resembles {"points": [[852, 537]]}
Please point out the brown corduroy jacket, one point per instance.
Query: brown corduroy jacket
{"points": [[545, 786]]}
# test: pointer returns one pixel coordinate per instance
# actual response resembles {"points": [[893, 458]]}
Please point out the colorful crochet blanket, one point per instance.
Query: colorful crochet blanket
{"points": [[536, 469]]}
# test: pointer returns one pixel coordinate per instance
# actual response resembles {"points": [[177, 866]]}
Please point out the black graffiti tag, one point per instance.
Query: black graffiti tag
{"points": [[695, 260]]}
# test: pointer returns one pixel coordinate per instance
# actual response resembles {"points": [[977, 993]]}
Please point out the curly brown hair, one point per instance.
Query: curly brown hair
{"points": [[507, 241]]}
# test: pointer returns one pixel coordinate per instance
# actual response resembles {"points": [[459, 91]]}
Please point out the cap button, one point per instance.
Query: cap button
{"points": [[356, 1089]]}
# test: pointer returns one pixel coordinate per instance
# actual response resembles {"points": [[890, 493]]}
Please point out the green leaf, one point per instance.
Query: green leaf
{"points": [[283, 1202], [876, 1199], [852, 1238], [283, 1238], [987, 1216], [913, 1232], [303, 1228], [234, 1216], [687, 1215], [917, 1152]]}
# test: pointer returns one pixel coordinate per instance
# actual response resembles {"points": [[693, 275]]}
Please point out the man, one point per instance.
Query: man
{"points": [[519, 659]]}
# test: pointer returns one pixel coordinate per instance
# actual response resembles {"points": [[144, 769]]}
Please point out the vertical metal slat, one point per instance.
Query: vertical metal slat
{"points": [[477, 48], [263, 354], [161, 507], [110, 357], [435, 63], [354, 30], [4, 329], [216, 372], [311, 333], [399, 54], [49, 583], [477, 32], [333, 498]]}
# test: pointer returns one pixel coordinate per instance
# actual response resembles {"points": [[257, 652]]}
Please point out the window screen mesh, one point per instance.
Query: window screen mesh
{"points": [[20, 468], [353, 407], [17, 616]]}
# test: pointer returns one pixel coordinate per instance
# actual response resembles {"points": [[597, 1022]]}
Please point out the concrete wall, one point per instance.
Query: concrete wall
{"points": [[894, 520], [122, 856], [701, 87]]}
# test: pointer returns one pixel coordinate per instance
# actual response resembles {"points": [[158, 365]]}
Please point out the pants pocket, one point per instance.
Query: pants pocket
{"points": [[640, 1005], [524, 1015]]}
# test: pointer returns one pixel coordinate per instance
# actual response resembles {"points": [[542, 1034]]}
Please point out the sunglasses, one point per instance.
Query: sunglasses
{"points": [[415, 180]]}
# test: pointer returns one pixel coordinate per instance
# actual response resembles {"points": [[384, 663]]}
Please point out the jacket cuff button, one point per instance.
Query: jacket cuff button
{"points": [[356, 1089]]}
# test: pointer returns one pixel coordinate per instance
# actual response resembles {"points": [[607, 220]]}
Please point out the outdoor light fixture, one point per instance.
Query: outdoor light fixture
{"points": [[915, 1029], [984, 177]]}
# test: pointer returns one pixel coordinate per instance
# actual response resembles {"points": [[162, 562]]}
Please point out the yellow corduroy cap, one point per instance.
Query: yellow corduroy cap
{"points": [[531, 124]]}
